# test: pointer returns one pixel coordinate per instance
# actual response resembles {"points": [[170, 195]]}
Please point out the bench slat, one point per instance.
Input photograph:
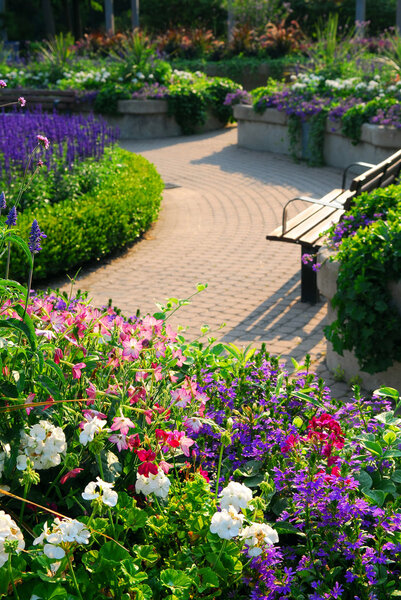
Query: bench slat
{"points": [[309, 224], [314, 237]]}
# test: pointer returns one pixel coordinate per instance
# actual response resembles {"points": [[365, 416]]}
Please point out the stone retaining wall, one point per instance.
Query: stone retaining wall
{"points": [[348, 364], [148, 119], [269, 132]]}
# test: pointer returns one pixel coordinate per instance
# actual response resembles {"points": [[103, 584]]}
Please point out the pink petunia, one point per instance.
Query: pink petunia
{"points": [[76, 370], [70, 475], [123, 424], [120, 441]]}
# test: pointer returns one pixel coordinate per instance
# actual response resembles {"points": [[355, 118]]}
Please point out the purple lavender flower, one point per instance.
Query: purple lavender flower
{"points": [[34, 238], [3, 203], [12, 217]]}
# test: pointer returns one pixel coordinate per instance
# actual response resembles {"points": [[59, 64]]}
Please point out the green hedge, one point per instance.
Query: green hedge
{"points": [[104, 220]]}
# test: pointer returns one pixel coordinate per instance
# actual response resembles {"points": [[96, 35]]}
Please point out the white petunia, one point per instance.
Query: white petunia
{"points": [[236, 495], [226, 523], [257, 536], [100, 489], [9, 531], [158, 484], [62, 531], [90, 429], [43, 444]]}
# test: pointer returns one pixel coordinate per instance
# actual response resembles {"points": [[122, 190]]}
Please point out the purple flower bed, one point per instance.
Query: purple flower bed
{"points": [[154, 91], [73, 138]]}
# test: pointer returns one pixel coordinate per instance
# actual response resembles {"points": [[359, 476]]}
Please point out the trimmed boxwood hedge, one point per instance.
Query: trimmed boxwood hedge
{"points": [[98, 223]]}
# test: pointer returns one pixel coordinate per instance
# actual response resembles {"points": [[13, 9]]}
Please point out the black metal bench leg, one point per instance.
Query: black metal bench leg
{"points": [[309, 291]]}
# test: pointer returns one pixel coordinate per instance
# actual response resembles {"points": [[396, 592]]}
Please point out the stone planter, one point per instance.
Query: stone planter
{"points": [[148, 119], [269, 132], [348, 364]]}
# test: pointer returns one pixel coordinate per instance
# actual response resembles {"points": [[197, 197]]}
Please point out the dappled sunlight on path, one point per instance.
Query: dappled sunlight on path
{"points": [[212, 229]]}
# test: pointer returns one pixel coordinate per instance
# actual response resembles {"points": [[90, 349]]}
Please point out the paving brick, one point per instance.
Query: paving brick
{"points": [[212, 229]]}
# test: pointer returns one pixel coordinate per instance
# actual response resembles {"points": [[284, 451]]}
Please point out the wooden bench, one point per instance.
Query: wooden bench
{"points": [[308, 227], [47, 99]]}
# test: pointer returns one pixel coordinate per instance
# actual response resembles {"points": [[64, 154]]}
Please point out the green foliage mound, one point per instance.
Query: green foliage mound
{"points": [[97, 223], [368, 323]]}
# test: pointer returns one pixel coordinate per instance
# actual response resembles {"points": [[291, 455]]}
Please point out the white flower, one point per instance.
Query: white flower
{"points": [[9, 531], [43, 445], [236, 495], [63, 531], [100, 489], [227, 523], [89, 430], [257, 536], [158, 484]]}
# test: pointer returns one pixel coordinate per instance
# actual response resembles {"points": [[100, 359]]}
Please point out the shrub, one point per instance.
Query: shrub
{"points": [[369, 250], [99, 222]]}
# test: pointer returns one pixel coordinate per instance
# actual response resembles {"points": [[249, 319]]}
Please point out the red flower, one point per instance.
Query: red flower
{"points": [[70, 474]]}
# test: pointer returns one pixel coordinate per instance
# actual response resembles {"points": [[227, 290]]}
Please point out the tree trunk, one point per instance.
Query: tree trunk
{"points": [[360, 10], [48, 18], [109, 14], [398, 17], [135, 14], [230, 22], [3, 31], [76, 20]]}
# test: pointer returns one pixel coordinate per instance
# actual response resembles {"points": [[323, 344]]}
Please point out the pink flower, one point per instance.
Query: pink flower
{"points": [[42, 140], [29, 399], [148, 416], [132, 348], [165, 466], [21, 101], [91, 393], [123, 424], [120, 441], [58, 355], [76, 370], [2, 83], [179, 439], [180, 397], [70, 474]]}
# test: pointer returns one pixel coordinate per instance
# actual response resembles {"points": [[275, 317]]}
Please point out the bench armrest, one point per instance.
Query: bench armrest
{"points": [[365, 165], [320, 201]]}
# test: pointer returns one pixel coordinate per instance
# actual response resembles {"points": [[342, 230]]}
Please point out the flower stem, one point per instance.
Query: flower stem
{"points": [[73, 575], [224, 544], [218, 472], [10, 574]]}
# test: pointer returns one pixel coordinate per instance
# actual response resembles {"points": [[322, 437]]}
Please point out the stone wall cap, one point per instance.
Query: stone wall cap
{"points": [[270, 115], [142, 107]]}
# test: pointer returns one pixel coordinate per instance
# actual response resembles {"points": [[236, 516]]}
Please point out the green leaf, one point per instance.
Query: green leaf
{"points": [[375, 496], [201, 286], [50, 363], [10, 283], [8, 389], [396, 476], [365, 480], [387, 391], [146, 553], [46, 591], [49, 386], [175, 579], [11, 237], [22, 327], [373, 447], [160, 316]]}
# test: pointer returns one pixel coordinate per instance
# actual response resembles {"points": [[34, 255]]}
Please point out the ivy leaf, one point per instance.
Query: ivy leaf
{"points": [[175, 579]]}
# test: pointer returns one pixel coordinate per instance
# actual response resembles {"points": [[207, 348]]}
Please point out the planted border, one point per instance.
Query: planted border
{"points": [[100, 222]]}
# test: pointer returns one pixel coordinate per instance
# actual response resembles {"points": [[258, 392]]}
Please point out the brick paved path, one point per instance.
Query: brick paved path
{"points": [[212, 229]]}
